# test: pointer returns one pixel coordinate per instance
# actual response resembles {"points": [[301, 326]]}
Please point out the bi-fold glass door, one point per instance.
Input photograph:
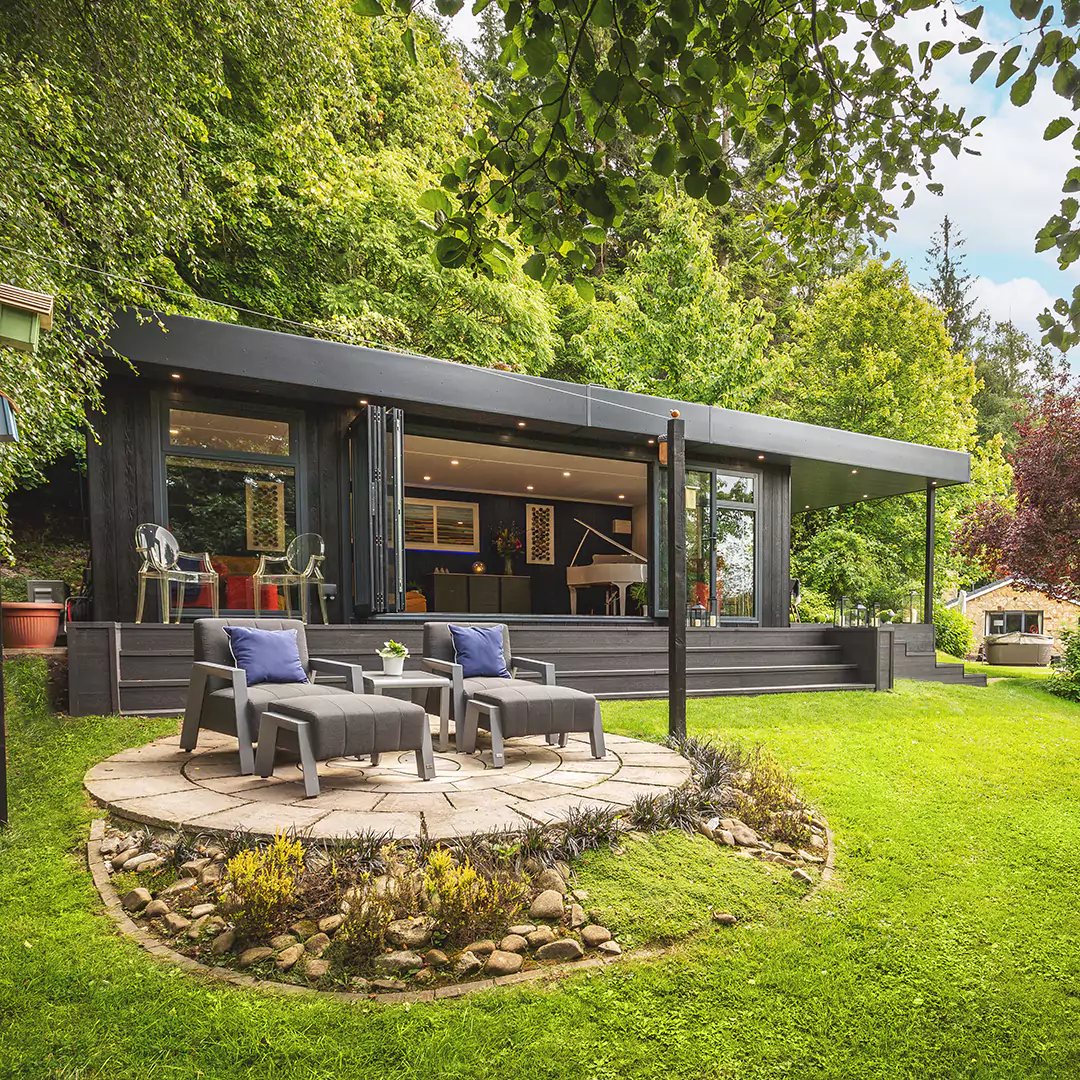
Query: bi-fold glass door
{"points": [[377, 497]]}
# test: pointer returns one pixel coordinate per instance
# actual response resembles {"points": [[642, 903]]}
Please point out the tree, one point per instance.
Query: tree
{"points": [[871, 355], [950, 285], [673, 325], [1038, 538]]}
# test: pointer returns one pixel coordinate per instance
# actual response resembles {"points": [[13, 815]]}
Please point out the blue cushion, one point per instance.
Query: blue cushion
{"points": [[266, 655], [479, 651]]}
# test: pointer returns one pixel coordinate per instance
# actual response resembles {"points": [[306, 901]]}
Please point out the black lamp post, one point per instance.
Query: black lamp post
{"points": [[9, 432]]}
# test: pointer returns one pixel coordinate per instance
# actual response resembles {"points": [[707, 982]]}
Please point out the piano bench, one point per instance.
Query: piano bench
{"points": [[521, 709]]}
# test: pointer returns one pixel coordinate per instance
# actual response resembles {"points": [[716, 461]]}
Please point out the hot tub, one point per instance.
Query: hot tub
{"points": [[1019, 650]]}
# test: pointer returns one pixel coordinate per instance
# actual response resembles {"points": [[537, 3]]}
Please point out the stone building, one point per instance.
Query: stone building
{"points": [[1005, 606]]}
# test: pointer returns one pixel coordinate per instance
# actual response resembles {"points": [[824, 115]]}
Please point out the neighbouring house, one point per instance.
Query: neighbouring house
{"points": [[417, 471], [1006, 606]]}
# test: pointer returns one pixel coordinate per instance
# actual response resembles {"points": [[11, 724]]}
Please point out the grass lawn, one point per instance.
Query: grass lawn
{"points": [[949, 946], [996, 671]]}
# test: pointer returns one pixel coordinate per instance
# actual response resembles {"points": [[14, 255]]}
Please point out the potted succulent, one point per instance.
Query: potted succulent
{"points": [[393, 655]]}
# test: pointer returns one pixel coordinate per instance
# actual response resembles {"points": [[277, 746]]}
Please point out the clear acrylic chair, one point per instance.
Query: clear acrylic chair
{"points": [[161, 557], [302, 567]]}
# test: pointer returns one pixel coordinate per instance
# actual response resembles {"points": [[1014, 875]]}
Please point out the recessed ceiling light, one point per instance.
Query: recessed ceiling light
{"points": [[454, 461], [622, 496], [521, 423], [528, 487], [174, 431], [363, 401], [652, 442], [566, 474], [427, 477], [761, 457], [807, 507], [933, 483], [854, 471], [866, 496], [175, 375]]}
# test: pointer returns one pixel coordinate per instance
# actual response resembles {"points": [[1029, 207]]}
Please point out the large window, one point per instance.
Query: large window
{"points": [[721, 544], [1012, 622], [230, 488]]}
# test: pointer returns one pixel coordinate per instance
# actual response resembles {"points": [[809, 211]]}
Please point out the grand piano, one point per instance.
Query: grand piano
{"points": [[618, 572]]}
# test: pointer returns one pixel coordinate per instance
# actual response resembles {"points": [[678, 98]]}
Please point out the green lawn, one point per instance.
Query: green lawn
{"points": [[996, 671], [949, 946]]}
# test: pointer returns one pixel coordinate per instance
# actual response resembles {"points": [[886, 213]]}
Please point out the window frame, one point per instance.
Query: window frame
{"points": [[1004, 616]]}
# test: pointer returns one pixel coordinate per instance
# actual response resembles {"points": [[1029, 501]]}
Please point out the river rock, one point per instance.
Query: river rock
{"points": [[522, 929], [411, 933], [436, 958], [743, 835], [501, 962], [174, 923], [816, 842], [513, 943], [724, 836], [802, 877], [211, 875], [136, 900], [593, 936], [543, 935], [282, 941], [140, 861], [784, 849], [807, 857], [548, 905], [481, 948], [199, 910], [304, 929], [287, 958], [223, 942], [155, 909], [182, 885], [317, 944], [118, 861], [398, 963], [577, 916], [724, 918], [551, 879], [563, 949], [563, 868], [195, 866], [315, 969], [329, 923], [384, 985], [110, 846], [468, 964], [254, 955], [610, 948]]}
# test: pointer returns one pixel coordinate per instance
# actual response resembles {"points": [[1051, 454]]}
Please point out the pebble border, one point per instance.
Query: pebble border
{"points": [[156, 947], [827, 867]]}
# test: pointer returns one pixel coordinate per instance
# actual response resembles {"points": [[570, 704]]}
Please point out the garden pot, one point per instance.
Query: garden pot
{"points": [[31, 626], [393, 665]]}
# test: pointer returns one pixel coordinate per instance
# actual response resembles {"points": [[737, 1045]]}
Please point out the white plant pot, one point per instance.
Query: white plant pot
{"points": [[393, 665]]}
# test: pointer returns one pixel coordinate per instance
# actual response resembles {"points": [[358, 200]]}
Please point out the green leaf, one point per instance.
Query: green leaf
{"points": [[1020, 93], [972, 18], [940, 49], [935, 189], [539, 54], [449, 7], [584, 288], [410, 43], [663, 161], [594, 234], [434, 199], [535, 266], [452, 252], [982, 62], [719, 192], [695, 185], [368, 7]]}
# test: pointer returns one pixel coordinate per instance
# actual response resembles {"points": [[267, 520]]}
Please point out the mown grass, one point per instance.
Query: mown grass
{"points": [[949, 946], [996, 671]]}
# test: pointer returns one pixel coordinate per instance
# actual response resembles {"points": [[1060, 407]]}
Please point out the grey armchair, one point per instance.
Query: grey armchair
{"points": [[439, 657], [220, 699]]}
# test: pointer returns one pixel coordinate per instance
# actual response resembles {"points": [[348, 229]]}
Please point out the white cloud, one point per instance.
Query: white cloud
{"points": [[1020, 300]]}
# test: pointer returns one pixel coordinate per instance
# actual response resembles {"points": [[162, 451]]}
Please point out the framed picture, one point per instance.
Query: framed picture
{"points": [[540, 533]]}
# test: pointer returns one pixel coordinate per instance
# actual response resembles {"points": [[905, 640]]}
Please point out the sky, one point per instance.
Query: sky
{"points": [[999, 200]]}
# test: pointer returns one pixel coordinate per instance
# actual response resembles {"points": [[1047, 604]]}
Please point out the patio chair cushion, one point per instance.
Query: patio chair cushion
{"points": [[267, 656], [219, 710], [439, 642], [480, 684], [531, 709], [480, 651], [354, 725], [212, 643]]}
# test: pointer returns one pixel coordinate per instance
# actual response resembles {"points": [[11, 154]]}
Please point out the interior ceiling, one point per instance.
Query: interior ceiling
{"points": [[510, 470]]}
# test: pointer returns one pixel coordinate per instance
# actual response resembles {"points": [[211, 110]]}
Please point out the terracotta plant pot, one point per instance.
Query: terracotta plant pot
{"points": [[31, 626]]}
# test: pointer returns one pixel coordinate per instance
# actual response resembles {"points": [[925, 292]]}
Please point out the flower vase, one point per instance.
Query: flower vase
{"points": [[508, 565]]}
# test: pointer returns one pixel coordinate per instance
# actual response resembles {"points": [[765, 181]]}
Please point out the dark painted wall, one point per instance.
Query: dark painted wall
{"points": [[550, 595]]}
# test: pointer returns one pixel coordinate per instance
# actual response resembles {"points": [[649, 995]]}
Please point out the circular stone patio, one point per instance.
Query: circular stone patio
{"points": [[158, 784]]}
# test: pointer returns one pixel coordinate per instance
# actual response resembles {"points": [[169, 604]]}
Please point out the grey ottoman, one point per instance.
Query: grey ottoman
{"points": [[343, 725], [522, 708]]}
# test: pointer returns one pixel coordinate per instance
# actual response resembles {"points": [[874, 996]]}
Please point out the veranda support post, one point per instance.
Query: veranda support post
{"points": [[676, 570], [928, 588]]}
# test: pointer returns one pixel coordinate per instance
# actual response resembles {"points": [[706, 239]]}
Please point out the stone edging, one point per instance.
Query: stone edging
{"points": [[155, 946], [827, 868]]}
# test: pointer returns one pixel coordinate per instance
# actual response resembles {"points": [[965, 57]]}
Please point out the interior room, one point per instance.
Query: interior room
{"points": [[492, 528]]}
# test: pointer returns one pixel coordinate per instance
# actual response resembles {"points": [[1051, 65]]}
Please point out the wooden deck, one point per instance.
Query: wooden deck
{"points": [[143, 669]]}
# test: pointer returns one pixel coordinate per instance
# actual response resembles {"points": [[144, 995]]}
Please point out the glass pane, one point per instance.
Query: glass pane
{"points": [[995, 624], [731, 487], [735, 562], [419, 524], [218, 431], [698, 542], [1033, 622], [1014, 622], [235, 512]]}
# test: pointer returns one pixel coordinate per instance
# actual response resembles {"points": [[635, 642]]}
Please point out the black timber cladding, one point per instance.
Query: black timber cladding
{"points": [[828, 466]]}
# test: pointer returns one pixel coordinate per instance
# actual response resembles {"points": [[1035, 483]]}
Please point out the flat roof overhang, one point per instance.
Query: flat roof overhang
{"points": [[829, 467]]}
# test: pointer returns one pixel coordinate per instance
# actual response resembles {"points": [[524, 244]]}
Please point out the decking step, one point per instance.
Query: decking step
{"points": [[738, 691]]}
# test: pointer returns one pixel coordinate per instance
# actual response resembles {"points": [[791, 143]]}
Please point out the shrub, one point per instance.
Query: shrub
{"points": [[362, 935], [588, 828], [1065, 682], [765, 800], [468, 904], [815, 607], [952, 631], [264, 885]]}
